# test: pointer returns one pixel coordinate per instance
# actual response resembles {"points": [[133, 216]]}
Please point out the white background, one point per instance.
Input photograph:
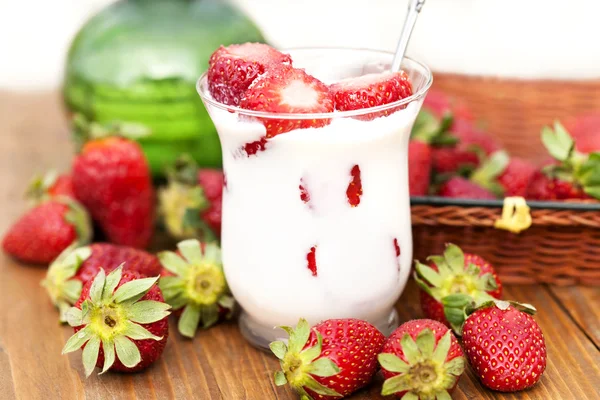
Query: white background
{"points": [[529, 39]]}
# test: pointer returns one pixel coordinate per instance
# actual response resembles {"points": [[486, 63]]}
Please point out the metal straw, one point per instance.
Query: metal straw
{"points": [[414, 8]]}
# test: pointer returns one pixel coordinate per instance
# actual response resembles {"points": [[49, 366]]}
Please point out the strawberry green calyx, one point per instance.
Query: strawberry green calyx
{"points": [[79, 218], [299, 365], [198, 286], [425, 374], [487, 174], [430, 129], [112, 318], [37, 189], [581, 169], [62, 287], [182, 200], [455, 286]]}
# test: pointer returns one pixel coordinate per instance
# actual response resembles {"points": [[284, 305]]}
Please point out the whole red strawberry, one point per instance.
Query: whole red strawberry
{"points": [[471, 146], [505, 346], [458, 187], [428, 131], [504, 176], [43, 232], [371, 90], [585, 130], [419, 167], [441, 105], [288, 90], [330, 360], [194, 284], [234, 68], [453, 281], [575, 175], [76, 266], [421, 358], [51, 185], [516, 177], [120, 321], [112, 179], [191, 203]]}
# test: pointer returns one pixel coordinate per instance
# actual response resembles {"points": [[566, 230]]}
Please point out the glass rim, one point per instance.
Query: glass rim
{"points": [[337, 114]]}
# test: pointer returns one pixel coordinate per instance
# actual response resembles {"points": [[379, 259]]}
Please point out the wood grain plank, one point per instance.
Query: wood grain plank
{"points": [[583, 305], [218, 364]]}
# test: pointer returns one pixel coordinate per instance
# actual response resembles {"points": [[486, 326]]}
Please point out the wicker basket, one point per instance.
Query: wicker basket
{"points": [[562, 247], [514, 110]]}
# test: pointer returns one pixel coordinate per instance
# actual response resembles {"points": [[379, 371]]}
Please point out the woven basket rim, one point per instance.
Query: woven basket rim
{"points": [[572, 205]]}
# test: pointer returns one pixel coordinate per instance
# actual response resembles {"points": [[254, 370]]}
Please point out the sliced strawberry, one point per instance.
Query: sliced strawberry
{"points": [[354, 191], [304, 195], [311, 259], [289, 90], [371, 90], [252, 148], [232, 69]]}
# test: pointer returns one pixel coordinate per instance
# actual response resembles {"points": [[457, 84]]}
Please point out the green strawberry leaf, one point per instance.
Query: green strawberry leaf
{"points": [[323, 367], [148, 311], [189, 320], [299, 336], [133, 288], [77, 340], [443, 395], [112, 280], [173, 263], [410, 348], [90, 355], [428, 274], [456, 366], [191, 250], [210, 315], [441, 351], [280, 378], [392, 363], [279, 349], [426, 342], [316, 387], [313, 352], [98, 286], [558, 142], [108, 347], [138, 332], [127, 352], [398, 383], [455, 258]]}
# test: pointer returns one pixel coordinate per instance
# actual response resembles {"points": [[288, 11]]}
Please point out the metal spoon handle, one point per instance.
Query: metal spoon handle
{"points": [[414, 8]]}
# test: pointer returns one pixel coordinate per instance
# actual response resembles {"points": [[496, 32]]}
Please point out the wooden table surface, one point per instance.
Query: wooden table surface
{"points": [[218, 364]]}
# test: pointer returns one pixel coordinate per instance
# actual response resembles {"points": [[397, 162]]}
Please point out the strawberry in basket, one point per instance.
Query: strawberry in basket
{"points": [[574, 175]]}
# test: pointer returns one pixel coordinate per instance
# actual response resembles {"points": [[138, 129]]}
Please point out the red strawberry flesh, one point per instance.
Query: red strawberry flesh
{"points": [[419, 167], [354, 191], [290, 91], [461, 188], [371, 90], [311, 259], [234, 68]]}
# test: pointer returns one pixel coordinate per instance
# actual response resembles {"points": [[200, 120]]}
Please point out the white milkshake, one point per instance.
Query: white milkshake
{"points": [[318, 224]]}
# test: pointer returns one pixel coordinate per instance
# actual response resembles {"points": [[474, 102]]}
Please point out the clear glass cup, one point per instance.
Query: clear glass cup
{"points": [[293, 245]]}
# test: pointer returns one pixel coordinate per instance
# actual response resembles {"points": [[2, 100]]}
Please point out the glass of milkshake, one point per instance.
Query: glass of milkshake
{"points": [[316, 214]]}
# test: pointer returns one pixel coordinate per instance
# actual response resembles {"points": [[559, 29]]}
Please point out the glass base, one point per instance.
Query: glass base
{"points": [[260, 336]]}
